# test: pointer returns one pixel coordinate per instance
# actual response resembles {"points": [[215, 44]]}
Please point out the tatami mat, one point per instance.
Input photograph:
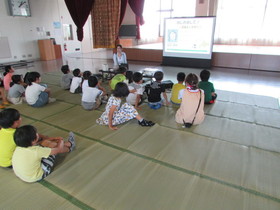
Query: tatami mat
{"points": [[230, 161]]}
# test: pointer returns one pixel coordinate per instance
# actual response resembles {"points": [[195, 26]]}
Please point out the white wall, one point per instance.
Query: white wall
{"points": [[22, 31]]}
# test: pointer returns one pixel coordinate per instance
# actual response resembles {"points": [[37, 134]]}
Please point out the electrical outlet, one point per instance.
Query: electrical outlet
{"points": [[15, 57], [24, 56], [29, 55]]}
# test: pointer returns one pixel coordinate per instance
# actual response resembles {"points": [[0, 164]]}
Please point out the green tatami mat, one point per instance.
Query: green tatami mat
{"points": [[42, 112], [76, 119], [249, 99], [51, 79], [20, 195], [222, 160], [243, 112], [239, 132], [105, 178]]}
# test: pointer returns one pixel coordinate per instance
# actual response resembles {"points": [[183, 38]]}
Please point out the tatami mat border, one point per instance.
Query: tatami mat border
{"points": [[170, 165]]}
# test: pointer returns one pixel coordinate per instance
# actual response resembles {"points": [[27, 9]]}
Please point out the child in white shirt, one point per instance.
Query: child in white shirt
{"points": [[76, 83], [135, 97], [91, 94]]}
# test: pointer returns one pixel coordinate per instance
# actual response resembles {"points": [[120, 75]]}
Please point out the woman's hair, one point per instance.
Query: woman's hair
{"points": [[137, 77], [32, 77], [25, 135], [8, 117], [192, 80], [86, 74], [121, 90], [204, 75], [181, 77], [16, 79], [76, 72], [129, 75], [119, 45], [92, 81], [7, 70]]}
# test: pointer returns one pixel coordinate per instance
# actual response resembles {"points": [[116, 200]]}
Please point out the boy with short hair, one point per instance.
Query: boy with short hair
{"points": [[135, 97], [9, 120], [91, 98], [120, 77], [155, 90], [177, 87], [66, 77], [31, 162], [76, 84], [208, 87]]}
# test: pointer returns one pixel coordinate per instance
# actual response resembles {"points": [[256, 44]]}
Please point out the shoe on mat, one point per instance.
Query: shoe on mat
{"points": [[146, 123]]}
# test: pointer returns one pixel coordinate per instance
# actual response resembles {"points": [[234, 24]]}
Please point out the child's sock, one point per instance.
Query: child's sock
{"points": [[71, 139]]}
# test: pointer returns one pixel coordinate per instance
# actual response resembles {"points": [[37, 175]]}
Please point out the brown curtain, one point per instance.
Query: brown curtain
{"points": [[137, 7], [105, 22], [79, 11]]}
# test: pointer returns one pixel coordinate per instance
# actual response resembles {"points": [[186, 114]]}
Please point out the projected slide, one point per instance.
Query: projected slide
{"points": [[189, 37]]}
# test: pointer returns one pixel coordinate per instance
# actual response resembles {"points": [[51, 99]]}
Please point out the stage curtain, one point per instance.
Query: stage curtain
{"points": [[79, 11], [137, 7], [105, 22]]}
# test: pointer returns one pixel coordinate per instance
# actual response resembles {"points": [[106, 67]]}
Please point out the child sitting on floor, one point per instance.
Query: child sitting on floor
{"points": [[155, 90], [36, 94], [16, 92], [191, 109], [9, 120], [76, 84], [91, 98], [135, 98], [86, 75], [66, 77], [8, 77], [177, 87], [208, 87], [120, 77], [32, 162], [116, 114]]}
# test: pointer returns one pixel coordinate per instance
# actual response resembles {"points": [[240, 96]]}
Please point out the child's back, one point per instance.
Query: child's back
{"points": [[177, 87], [207, 87], [66, 77], [9, 120], [75, 86], [91, 93], [120, 77], [134, 97], [16, 91]]}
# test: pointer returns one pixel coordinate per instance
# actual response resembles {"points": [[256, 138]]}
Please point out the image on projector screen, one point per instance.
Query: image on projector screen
{"points": [[189, 37]]}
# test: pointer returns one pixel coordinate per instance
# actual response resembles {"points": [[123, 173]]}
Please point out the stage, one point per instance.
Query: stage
{"points": [[229, 56]]}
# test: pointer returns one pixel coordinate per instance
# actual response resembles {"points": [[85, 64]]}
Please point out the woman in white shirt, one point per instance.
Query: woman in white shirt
{"points": [[119, 58]]}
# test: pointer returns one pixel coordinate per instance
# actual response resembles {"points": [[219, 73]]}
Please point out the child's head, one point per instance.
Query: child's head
{"points": [[86, 74], [92, 81], [204, 75], [121, 90], [158, 76], [77, 72], [33, 77], [122, 70], [26, 136], [129, 75], [137, 77], [181, 77], [192, 81], [8, 69], [10, 118], [16, 79], [65, 69]]}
